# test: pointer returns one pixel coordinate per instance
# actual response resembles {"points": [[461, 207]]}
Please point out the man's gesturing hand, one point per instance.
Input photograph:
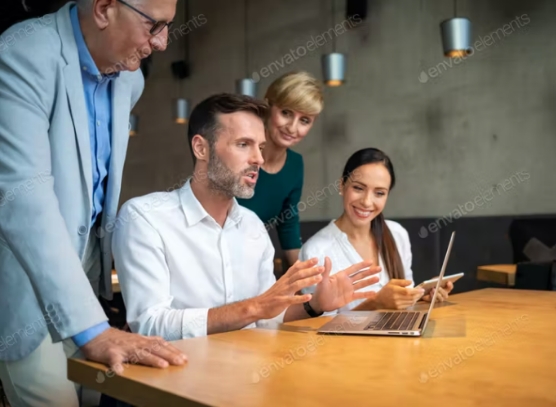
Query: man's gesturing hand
{"points": [[335, 291], [283, 293], [114, 347]]}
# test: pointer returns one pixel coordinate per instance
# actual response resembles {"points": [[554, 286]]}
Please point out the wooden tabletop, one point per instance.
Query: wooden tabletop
{"points": [[491, 347], [498, 273]]}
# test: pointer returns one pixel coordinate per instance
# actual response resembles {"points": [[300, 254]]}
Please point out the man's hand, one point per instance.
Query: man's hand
{"points": [[395, 295], [114, 347], [335, 291], [283, 293]]}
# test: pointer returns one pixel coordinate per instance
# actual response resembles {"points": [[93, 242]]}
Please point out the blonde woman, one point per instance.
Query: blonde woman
{"points": [[295, 99]]}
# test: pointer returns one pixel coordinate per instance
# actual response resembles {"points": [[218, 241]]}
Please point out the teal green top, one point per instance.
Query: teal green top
{"points": [[276, 200]]}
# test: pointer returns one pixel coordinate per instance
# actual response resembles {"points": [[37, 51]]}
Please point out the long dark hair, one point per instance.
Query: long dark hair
{"points": [[381, 233]]}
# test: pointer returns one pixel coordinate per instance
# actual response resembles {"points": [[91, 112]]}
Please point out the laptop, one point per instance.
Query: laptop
{"points": [[402, 322]]}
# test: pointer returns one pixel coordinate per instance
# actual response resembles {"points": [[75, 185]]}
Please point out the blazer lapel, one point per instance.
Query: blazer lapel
{"points": [[76, 95], [121, 105], [76, 99]]}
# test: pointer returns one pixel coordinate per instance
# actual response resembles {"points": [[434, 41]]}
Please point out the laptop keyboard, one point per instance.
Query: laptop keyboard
{"points": [[387, 321]]}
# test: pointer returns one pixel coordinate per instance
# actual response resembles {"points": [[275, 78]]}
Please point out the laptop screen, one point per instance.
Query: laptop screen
{"points": [[433, 299]]}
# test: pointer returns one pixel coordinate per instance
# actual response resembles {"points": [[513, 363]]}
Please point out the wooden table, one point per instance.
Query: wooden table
{"points": [[498, 273], [491, 347]]}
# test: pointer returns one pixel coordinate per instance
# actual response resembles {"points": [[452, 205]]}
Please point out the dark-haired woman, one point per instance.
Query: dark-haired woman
{"points": [[362, 233]]}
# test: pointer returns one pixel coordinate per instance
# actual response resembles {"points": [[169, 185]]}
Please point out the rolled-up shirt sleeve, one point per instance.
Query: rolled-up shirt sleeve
{"points": [[145, 281]]}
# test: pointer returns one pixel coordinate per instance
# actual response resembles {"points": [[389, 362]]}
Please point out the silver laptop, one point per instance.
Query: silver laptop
{"points": [[409, 323]]}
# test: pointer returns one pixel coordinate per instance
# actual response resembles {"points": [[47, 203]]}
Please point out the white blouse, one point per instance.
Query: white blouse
{"points": [[332, 242]]}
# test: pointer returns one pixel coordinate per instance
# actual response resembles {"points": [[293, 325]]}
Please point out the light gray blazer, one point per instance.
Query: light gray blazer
{"points": [[46, 185]]}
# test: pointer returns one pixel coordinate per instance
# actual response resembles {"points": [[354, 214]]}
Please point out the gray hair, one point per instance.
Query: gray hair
{"points": [[84, 5], [87, 5]]}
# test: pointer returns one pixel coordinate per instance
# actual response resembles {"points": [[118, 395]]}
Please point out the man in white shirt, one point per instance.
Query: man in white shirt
{"points": [[193, 262]]}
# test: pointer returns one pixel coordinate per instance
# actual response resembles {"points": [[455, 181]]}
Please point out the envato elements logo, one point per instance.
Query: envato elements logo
{"points": [[151, 201], [24, 188], [185, 28], [29, 330], [462, 355], [486, 195], [25, 30], [136, 57], [479, 45], [294, 210], [293, 355], [301, 50], [52, 315]]}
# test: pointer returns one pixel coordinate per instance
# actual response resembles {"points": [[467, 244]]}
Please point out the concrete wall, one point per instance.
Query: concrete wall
{"points": [[454, 129]]}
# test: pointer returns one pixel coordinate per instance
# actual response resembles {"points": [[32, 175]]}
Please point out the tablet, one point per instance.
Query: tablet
{"points": [[428, 284]]}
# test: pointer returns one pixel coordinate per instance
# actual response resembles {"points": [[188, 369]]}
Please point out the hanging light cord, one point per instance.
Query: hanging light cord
{"points": [[246, 36], [187, 14], [455, 8], [333, 19]]}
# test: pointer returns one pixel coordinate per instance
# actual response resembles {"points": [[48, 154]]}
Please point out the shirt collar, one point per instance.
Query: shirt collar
{"points": [[195, 213], [86, 61], [336, 231]]}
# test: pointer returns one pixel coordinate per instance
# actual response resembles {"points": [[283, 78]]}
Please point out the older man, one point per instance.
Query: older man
{"points": [[194, 262], [67, 85]]}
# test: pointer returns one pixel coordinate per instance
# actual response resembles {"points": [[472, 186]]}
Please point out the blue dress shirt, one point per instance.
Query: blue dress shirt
{"points": [[98, 97]]}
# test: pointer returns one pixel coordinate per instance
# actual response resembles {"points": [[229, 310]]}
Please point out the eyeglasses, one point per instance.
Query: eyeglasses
{"points": [[157, 27]]}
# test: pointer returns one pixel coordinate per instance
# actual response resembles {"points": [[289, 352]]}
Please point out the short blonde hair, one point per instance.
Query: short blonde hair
{"points": [[298, 91]]}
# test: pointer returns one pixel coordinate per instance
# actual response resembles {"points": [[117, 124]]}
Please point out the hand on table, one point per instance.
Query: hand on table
{"points": [[114, 348]]}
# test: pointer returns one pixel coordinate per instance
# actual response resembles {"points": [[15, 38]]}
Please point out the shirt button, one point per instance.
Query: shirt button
{"points": [[82, 230], [98, 123], [84, 68]]}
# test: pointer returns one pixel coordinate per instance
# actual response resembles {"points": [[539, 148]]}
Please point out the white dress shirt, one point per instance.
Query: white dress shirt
{"points": [[332, 242], [174, 262]]}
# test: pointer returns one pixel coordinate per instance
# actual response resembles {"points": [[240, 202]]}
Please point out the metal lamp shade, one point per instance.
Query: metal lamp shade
{"points": [[247, 87], [334, 69], [182, 110], [456, 37], [133, 123]]}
